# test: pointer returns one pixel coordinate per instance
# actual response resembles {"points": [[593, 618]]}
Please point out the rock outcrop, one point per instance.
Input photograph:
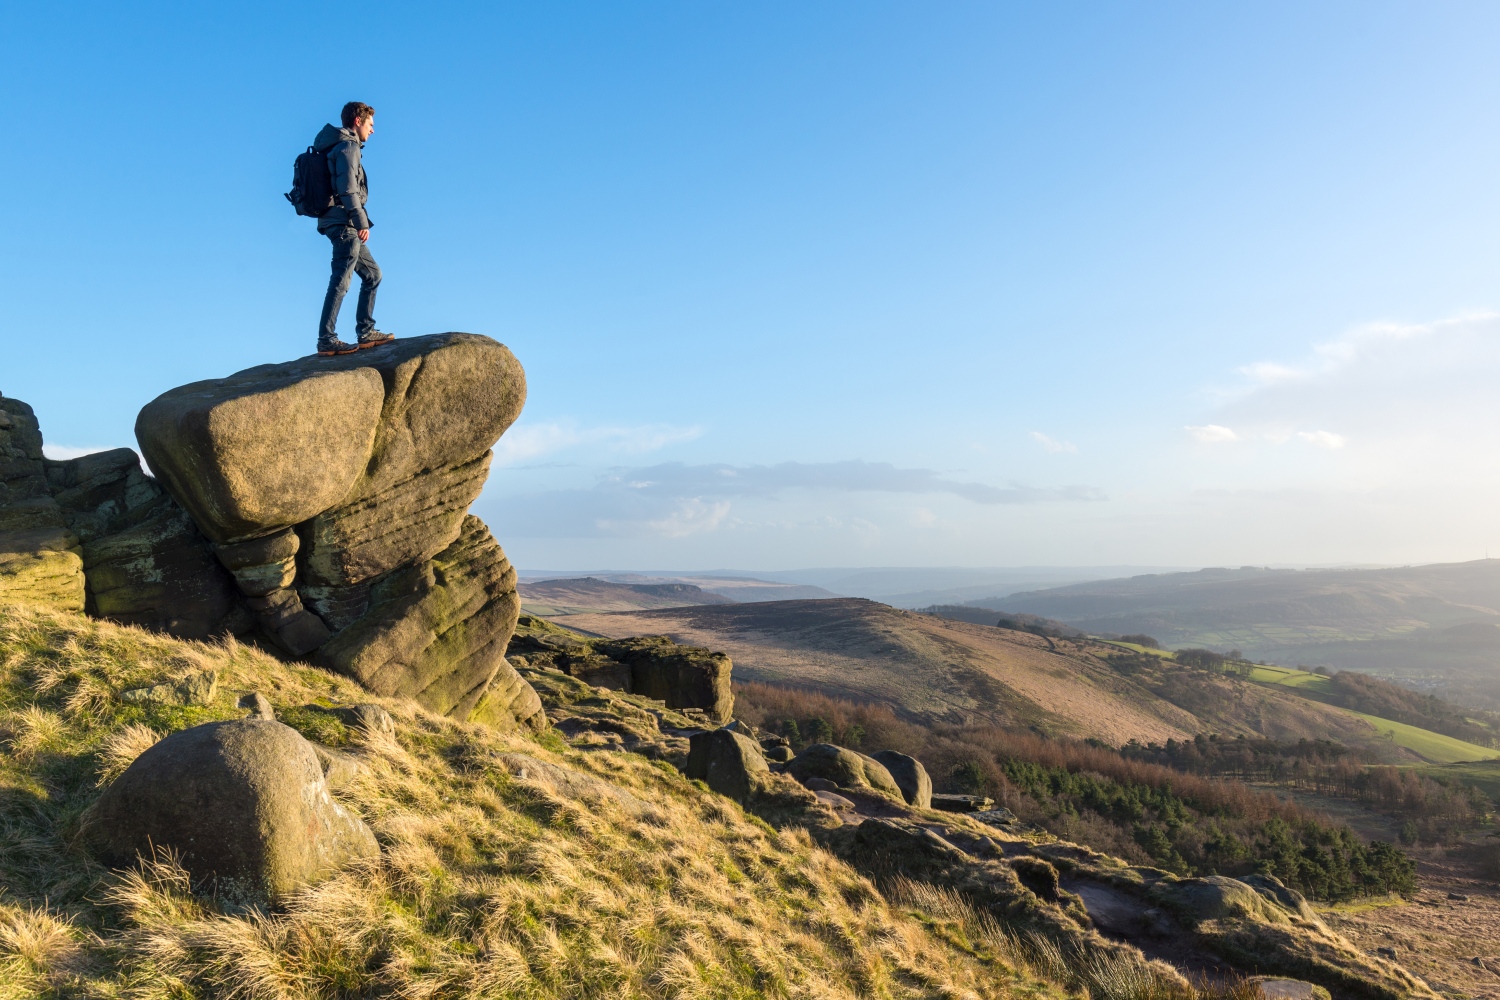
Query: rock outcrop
{"points": [[335, 493], [685, 678], [41, 561], [848, 769], [244, 804]]}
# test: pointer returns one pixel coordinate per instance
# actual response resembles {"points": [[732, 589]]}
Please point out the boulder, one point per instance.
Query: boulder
{"points": [[276, 446], [41, 561], [910, 776], [726, 760], [245, 805], [336, 491], [682, 676], [197, 688], [962, 803], [845, 768]]}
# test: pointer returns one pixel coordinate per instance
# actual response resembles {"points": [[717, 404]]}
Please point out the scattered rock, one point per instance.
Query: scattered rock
{"points": [[962, 803], [259, 707], [372, 718], [910, 776], [778, 754], [245, 805], [847, 769], [196, 688], [997, 817], [1273, 988], [726, 760], [1387, 953], [571, 784], [835, 800], [817, 784], [1038, 875], [1458, 897]]}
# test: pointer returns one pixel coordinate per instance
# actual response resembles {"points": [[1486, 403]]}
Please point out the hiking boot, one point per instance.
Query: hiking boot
{"points": [[375, 338], [328, 350]]}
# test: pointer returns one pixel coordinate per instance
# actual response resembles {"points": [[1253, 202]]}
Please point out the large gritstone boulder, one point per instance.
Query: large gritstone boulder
{"points": [[726, 761], [40, 558], [845, 768], [910, 776], [244, 805], [336, 492]]}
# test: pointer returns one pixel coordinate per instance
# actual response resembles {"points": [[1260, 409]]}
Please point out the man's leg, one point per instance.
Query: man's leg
{"points": [[346, 248], [369, 283]]}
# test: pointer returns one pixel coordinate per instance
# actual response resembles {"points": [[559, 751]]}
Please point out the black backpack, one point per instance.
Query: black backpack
{"points": [[312, 184]]}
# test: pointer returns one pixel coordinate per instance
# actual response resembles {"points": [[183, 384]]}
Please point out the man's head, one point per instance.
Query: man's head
{"points": [[360, 117]]}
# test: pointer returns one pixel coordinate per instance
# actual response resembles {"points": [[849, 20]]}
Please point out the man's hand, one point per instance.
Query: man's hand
{"points": [[364, 236]]}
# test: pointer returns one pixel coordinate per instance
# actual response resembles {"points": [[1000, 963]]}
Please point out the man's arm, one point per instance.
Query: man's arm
{"points": [[345, 162]]}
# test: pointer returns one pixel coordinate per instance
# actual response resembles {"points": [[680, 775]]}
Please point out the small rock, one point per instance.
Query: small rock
{"points": [[779, 754], [259, 707], [962, 803], [817, 784], [1389, 953], [1275, 988], [371, 718], [1458, 897], [195, 689], [835, 800]]}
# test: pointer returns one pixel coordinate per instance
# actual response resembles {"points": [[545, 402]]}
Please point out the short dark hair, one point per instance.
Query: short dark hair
{"points": [[353, 110]]}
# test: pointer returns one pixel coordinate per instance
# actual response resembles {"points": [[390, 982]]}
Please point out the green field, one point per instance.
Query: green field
{"points": [[1287, 677], [1165, 654], [1435, 747]]}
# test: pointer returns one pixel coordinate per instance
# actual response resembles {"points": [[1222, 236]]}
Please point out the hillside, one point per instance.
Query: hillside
{"points": [[1430, 626], [587, 594], [939, 670]]}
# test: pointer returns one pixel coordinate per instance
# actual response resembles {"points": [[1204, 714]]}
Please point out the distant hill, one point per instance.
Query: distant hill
{"points": [[936, 670], [587, 594], [1434, 627]]}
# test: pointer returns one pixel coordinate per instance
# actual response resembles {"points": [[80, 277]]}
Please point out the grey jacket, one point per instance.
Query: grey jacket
{"points": [[350, 188]]}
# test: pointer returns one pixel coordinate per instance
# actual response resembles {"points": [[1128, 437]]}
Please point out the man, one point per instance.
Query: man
{"points": [[348, 228]]}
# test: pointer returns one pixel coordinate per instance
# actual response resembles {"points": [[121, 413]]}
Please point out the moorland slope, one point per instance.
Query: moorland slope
{"points": [[938, 670]]}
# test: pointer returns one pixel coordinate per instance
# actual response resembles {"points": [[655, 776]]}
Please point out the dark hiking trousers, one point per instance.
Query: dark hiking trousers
{"points": [[351, 256]]}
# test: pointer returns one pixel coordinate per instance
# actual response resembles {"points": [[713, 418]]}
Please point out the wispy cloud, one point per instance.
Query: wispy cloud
{"points": [[528, 441], [1053, 445], [1356, 344], [674, 500], [63, 452]]}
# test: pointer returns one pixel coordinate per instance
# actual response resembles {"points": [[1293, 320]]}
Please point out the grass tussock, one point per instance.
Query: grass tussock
{"points": [[626, 880]]}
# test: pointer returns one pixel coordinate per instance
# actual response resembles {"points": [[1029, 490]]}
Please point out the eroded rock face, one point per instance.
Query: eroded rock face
{"points": [[244, 803], [336, 491]]}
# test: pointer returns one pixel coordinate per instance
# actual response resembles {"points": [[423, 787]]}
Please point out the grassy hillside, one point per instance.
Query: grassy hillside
{"points": [[1434, 747], [489, 884], [1430, 625], [936, 670]]}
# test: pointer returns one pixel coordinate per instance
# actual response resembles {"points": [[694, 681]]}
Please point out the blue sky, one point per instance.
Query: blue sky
{"points": [[819, 284]]}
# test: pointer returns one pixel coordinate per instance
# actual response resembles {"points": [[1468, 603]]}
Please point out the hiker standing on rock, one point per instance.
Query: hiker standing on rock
{"points": [[340, 210]]}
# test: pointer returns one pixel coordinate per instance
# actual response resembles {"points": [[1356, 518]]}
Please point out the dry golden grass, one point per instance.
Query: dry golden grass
{"points": [[488, 885]]}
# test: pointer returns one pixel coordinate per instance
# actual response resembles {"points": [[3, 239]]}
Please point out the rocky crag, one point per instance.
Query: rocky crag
{"points": [[320, 505]]}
